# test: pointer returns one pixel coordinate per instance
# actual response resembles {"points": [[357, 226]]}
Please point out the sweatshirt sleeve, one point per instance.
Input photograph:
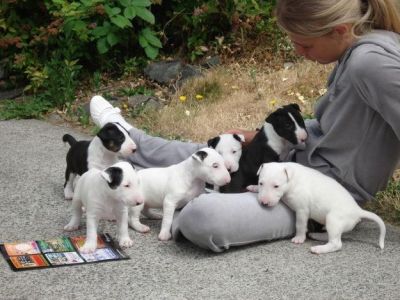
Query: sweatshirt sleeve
{"points": [[375, 74]]}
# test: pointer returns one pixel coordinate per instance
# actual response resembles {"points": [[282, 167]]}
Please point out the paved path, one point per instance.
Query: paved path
{"points": [[32, 162]]}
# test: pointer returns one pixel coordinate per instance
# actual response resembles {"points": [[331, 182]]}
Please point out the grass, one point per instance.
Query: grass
{"points": [[233, 97]]}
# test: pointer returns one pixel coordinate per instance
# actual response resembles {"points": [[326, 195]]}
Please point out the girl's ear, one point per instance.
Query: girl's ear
{"points": [[341, 30]]}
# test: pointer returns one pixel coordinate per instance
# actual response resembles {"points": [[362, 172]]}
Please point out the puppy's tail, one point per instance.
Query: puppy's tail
{"points": [[373, 217], [67, 138]]}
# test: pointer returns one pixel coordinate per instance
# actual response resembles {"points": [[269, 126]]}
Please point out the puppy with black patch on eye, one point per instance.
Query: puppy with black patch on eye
{"points": [[105, 194], [229, 146], [111, 142]]}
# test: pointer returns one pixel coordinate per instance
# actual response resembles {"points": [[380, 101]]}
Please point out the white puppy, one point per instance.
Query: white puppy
{"points": [[314, 195], [174, 186], [105, 194]]}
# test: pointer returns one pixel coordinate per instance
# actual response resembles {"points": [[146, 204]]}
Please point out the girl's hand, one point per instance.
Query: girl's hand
{"points": [[248, 134]]}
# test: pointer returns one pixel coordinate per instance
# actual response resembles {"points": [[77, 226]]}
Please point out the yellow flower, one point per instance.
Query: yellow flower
{"points": [[125, 106], [272, 102], [182, 98], [199, 97]]}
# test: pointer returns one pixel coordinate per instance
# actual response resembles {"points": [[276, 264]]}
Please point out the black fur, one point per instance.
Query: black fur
{"points": [[77, 157], [111, 137], [116, 176], [201, 154], [236, 137], [259, 152], [212, 143], [283, 124]]}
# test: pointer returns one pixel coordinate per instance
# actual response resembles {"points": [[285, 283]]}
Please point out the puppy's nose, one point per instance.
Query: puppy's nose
{"points": [[133, 150]]}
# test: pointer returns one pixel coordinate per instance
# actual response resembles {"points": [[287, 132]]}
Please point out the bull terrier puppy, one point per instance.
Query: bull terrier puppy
{"points": [[174, 186], [283, 130], [105, 194], [102, 151], [314, 195], [229, 146]]}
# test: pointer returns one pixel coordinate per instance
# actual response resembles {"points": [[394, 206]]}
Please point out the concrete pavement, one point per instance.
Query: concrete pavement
{"points": [[32, 162]]}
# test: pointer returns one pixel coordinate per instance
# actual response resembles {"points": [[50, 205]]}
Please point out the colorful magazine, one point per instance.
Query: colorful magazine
{"points": [[62, 251]]}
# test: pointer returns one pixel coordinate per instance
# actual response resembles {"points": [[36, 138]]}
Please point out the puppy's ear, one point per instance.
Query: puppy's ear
{"points": [[113, 176], [287, 173], [259, 169], [295, 106], [200, 155], [239, 137], [212, 143]]}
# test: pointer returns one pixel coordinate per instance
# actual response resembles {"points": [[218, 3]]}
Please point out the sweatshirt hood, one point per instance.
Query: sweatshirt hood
{"points": [[389, 41]]}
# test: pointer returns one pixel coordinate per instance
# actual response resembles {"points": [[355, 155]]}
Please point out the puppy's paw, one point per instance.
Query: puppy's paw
{"points": [[125, 242], [68, 194], [88, 248], [298, 239], [71, 227], [164, 236], [252, 188], [139, 227]]}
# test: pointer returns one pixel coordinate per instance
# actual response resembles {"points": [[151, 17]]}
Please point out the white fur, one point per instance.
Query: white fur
{"points": [[101, 202], [173, 187], [230, 149], [314, 195], [100, 158]]}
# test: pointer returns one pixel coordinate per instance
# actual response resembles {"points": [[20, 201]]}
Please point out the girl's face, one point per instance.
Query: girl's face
{"points": [[324, 49]]}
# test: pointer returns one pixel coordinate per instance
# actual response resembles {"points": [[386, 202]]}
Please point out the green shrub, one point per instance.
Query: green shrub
{"points": [[53, 43]]}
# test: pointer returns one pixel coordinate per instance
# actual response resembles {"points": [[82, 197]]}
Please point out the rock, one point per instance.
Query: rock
{"points": [[211, 62], [86, 108], [11, 94], [167, 72], [136, 100], [54, 118], [149, 101], [288, 65]]}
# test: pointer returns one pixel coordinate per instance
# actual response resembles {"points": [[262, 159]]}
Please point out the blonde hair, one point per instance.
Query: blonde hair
{"points": [[315, 18]]}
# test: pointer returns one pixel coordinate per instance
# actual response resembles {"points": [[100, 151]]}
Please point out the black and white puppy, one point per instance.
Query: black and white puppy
{"points": [[283, 130], [101, 152], [105, 194], [229, 146]]}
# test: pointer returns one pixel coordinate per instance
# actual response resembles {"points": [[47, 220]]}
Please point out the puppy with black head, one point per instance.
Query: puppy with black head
{"points": [[283, 130], [110, 142], [104, 194]]}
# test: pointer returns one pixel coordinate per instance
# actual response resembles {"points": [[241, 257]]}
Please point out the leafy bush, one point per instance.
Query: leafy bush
{"points": [[31, 31], [51, 44]]}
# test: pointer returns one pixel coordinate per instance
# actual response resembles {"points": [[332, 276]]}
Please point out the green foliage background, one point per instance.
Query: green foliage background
{"points": [[50, 45]]}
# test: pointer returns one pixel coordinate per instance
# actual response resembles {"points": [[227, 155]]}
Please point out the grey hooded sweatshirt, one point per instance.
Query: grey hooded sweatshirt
{"points": [[355, 137]]}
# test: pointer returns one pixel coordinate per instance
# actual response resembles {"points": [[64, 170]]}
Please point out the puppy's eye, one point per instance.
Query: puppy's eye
{"points": [[276, 186], [261, 183], [234, 151], [127, 185], [288, 125], [215, 166]]}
